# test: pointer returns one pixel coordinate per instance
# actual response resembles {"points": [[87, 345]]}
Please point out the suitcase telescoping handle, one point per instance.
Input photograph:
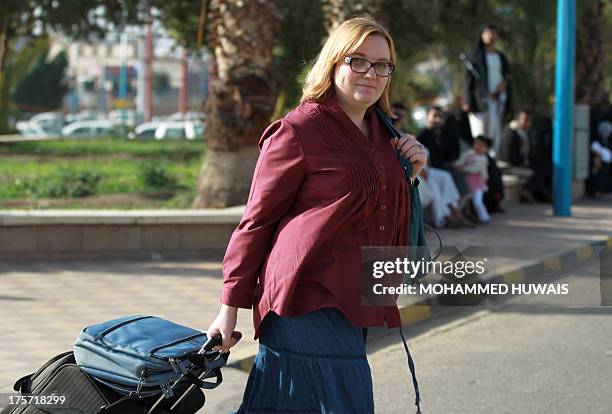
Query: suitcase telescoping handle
{"points": [[210, 343], [207, 347], [216, 340]]}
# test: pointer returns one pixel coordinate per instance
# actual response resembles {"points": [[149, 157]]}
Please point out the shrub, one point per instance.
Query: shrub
{"points": [[71, 183], [155, 176]]}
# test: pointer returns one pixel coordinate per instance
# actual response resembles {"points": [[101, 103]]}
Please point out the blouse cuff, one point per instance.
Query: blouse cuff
{"points": [[237, 299]]}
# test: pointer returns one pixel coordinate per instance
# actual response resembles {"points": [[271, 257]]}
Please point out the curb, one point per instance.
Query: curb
{"points": [[423, 310]]}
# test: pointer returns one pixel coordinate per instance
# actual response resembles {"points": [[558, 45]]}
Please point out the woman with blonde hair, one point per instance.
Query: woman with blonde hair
{"points": [[327, 182]]}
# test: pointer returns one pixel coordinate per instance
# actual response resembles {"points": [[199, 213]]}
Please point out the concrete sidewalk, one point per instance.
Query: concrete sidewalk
{"points": [[46, 304]]}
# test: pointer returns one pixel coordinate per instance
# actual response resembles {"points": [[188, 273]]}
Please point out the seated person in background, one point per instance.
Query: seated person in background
{"points": [[474, 164], [516, 140], [521, 149], [443, 146], [446, 202], [600, 179], [542, 162], [458, 122], [437, 189]]}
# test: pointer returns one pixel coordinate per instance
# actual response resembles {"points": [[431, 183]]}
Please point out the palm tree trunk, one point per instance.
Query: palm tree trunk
{"points": [[337, 11], [4, 40], [240, 100], [4, 95]]}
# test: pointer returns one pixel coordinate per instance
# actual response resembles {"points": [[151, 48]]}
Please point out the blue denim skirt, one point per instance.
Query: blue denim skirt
{"points": [[307, 364]]}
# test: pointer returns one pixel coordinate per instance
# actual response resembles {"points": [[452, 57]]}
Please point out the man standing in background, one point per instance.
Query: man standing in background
{"points": [[486, 87]]}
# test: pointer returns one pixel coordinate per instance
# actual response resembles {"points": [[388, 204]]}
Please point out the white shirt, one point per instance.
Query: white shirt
{"points": [[494, 70]]}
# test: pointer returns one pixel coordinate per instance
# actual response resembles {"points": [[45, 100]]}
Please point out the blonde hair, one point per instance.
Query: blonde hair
{"points": [[343, 41]]}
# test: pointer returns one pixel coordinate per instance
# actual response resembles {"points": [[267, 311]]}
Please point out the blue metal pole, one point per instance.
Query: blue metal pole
{"points": [[123, 78], [564, 108], [74, 101], [123, 90]]}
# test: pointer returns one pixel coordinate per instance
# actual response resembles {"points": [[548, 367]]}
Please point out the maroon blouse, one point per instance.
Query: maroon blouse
{"points": [[321, 190]]}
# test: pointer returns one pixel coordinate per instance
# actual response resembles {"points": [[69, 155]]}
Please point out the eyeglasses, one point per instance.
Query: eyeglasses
{"points": [[361, 65]]}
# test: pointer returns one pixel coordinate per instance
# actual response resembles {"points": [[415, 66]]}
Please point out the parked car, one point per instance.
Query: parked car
{"points": [[187, 116], [87, 128], [144, 131], [46, 124], [168, 130], [31, 130], [180, 130], [85, 115]]}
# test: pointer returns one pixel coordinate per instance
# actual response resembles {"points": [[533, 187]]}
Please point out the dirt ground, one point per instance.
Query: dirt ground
{"points": [[118, 201]]}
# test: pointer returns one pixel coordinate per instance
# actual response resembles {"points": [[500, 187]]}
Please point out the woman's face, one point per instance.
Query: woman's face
{"points": [[362, 90]]}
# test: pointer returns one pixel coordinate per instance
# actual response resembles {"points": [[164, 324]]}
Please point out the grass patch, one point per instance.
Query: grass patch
{"points": [[179, 150], [164, 172]]}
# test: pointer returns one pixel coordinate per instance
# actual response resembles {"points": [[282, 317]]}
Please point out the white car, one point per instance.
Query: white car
{"points": [[84, 116], [187, 116], [180, 130], [50, 122], [87, 128], [46, 124], [31, 130], [168, 130], [145, 130]]}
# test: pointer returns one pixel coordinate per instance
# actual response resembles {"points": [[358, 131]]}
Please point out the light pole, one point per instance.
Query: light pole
{"points": [[123, 77], [564, 108], [148, 61]]}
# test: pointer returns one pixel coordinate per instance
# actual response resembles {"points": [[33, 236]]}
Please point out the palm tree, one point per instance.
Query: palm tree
{"points": [[337, 11], [591, 85], [241, 97]]}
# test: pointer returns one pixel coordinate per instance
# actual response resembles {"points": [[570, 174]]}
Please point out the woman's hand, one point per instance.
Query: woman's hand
{"points": [[224, 324], [411, 150]]}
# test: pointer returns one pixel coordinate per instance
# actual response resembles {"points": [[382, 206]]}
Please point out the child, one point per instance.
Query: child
{"points": [[474, 163]]}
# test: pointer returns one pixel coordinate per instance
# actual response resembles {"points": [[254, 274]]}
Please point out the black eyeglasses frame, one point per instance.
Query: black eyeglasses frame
{"points": [[349, 60]]}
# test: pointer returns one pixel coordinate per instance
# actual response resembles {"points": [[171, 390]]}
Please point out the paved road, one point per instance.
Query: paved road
{"points": [[525, 355], [521, 355]]}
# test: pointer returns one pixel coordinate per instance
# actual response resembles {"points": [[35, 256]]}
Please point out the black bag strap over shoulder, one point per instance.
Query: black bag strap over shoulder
{"points": [[417, 238], [407, 166]]}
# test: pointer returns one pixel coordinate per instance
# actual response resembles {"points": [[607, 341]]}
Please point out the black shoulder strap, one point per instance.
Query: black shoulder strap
{"points": [[405, 165]]}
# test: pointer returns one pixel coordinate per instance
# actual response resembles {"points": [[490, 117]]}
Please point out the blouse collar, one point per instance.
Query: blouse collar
{"points": [[333, 107]]}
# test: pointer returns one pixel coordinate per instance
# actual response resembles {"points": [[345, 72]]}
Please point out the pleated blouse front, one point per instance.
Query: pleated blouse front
{"points": [[321, 189]]}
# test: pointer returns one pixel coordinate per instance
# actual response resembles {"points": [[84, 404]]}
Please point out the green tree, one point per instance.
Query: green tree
{"points": [[301, 35], [592, 87], [32, 19], [526, 30], [181, 18], [44, 85]]}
